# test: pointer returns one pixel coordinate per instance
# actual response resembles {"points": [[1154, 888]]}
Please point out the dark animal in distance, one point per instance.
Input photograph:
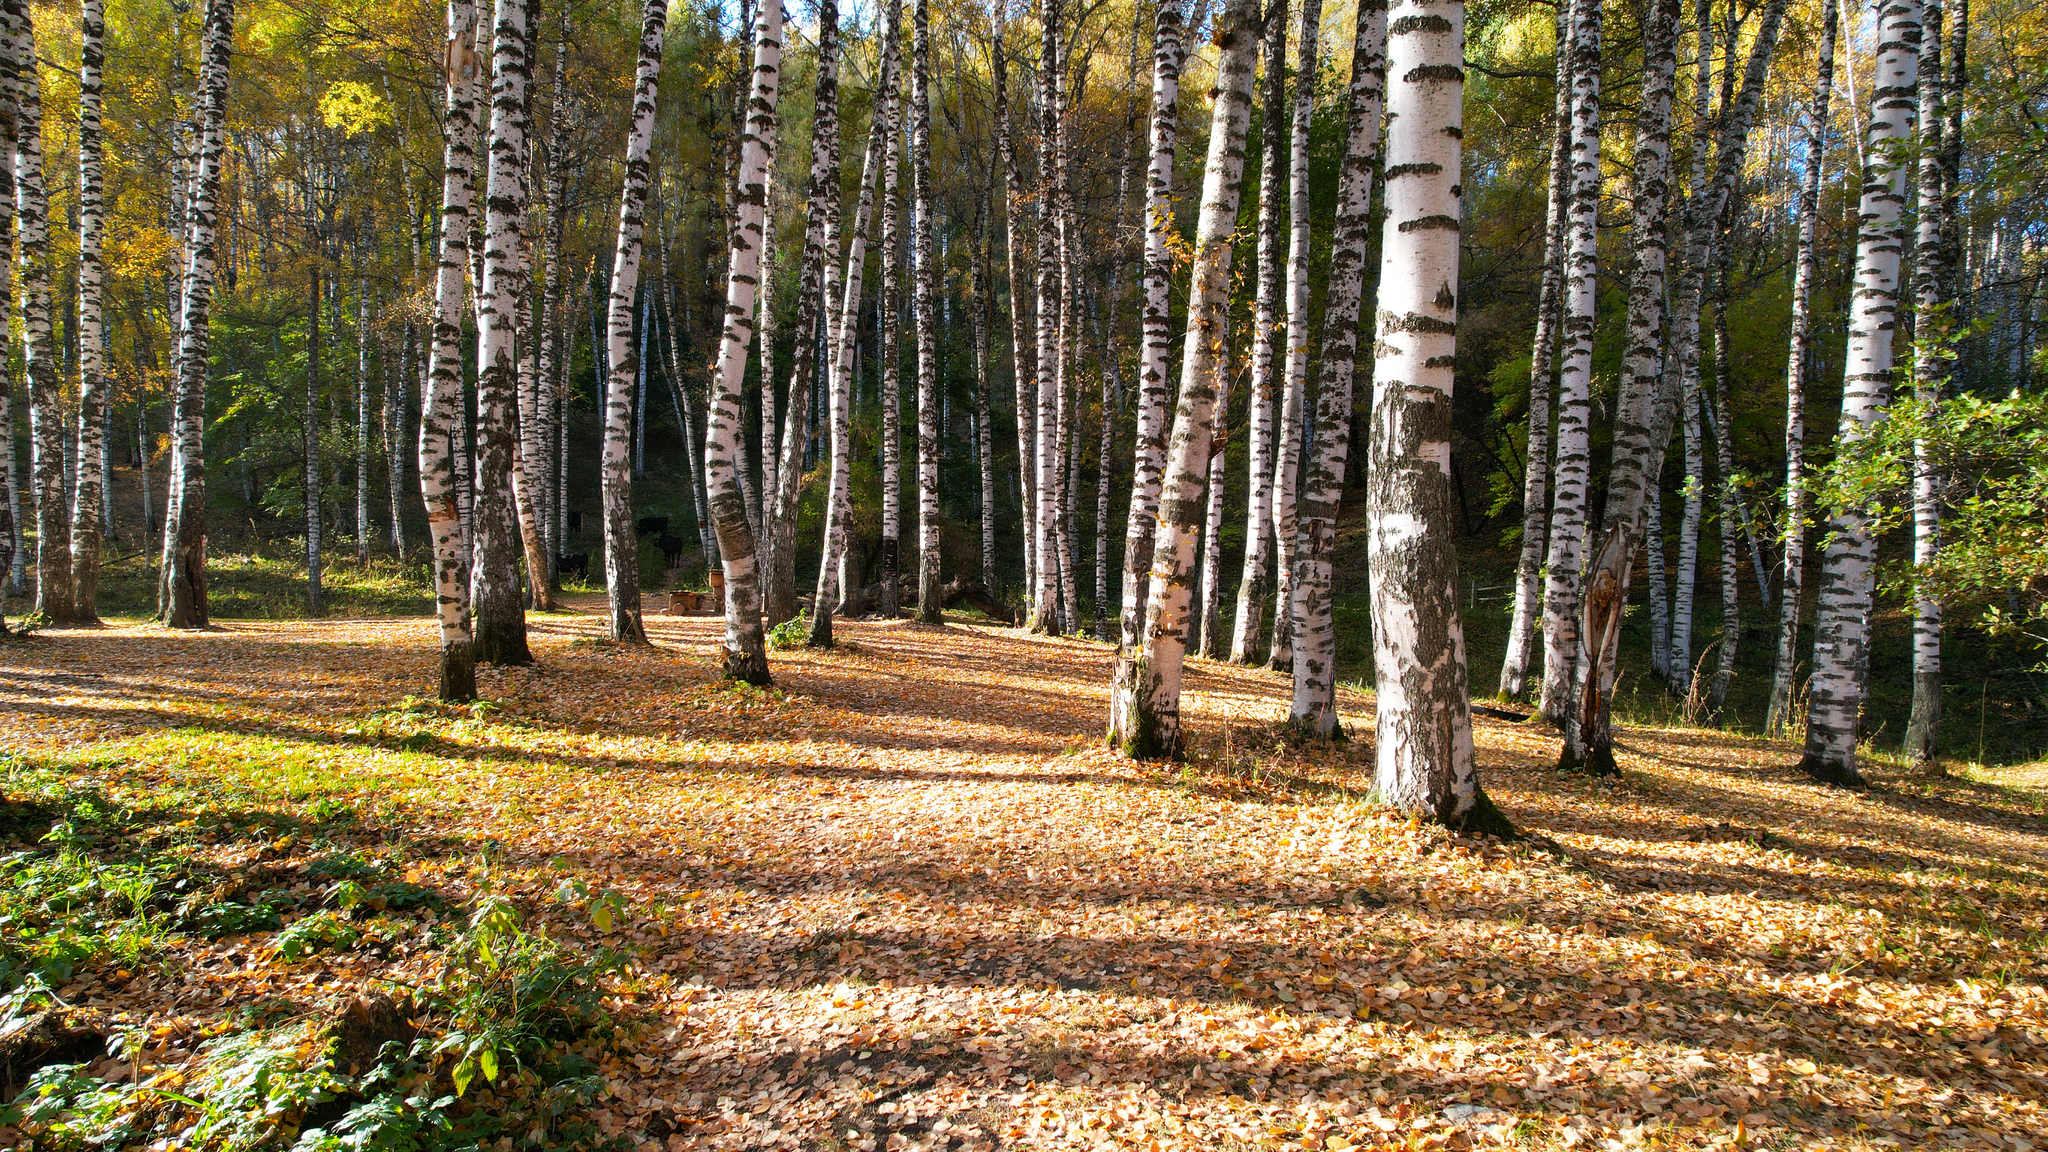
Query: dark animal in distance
{"points": [[650, 526], [573, 562], [575, 522], [671, 550]]}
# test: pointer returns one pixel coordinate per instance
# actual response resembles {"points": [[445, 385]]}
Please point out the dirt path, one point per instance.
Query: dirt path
{"points": [[904, 900]]}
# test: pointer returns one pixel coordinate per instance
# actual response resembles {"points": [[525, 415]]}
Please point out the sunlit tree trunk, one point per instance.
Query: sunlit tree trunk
{"points": [[1645, 411], [621, 547], [1246, 635], [1848, 565], [397, 371], [1931, 325], [11, 564], [838, 501], [498, 609], [89, 507], [1050, 294], [441, 402], [1211, 643], [555, 350], [362, 422], [1424, 738], [1522, 627], [1067, 441], [746, 654], [1149, 448], [814, 300], [1314, 710], [1112, 401], [38, 359], [892, 367], [924, 260], [1805, 268], [184, 567], [1685, 367], [1570, 509], [1017, 275], [1151, 727], [1289, 443]]}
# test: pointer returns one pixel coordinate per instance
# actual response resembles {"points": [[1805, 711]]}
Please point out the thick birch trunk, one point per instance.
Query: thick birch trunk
{"points": [[184, 567], [38, 359], [746, 654], [1571, 508], [90, 507], [1848, 566], [441, 401], [924, 260], [838, 502], [1423, 744], [1149, 447], [1805, 267], [1151, 727], [1522, 627], [1931, 326], [815, 300], [621, 546], [1246, 635], [1287, 463], [1314, 712]]}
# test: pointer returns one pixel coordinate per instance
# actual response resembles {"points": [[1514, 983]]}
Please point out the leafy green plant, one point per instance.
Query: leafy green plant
{"points": [[320, 932], [791, 633]]}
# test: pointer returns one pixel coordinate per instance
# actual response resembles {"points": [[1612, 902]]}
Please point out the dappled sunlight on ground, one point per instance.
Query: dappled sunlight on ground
{"points": [[905, 899]]}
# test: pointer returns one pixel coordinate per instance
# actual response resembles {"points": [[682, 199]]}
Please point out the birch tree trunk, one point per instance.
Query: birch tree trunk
{"points": [[1258, 533], [621, 546], [814, 301], [1848, 565], [1287, 463], [985, 451], [38, 362], [1112, 400], [1931, 325], [924, 259], [11, 564], [1313, 712], [1017, 275], [1805, 267], [892, 368], [184, 567], [362, 422], [1645, 411], [89, 507], [1685, 369], [1423, 745], [397, 370], [1150, 727], [555, 351], [1209, 614], [1149, 447], [1721, 411], [838, 502], [441, 402], [1570, 510], [309, 472], [498, 609], [1522, 627], [1050, 296], [746, 654]]}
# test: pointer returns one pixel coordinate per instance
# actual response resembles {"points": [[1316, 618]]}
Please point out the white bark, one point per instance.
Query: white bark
{"points": [[621, 546], [1210, 642], [924, 271], [1931, 326], [1424, 760], [746, 655], [1016, 260], [46, 400], [1315, 635], [1848, 566], [1050, 295], [89, 508], [1150, 727], [1287, 463]]}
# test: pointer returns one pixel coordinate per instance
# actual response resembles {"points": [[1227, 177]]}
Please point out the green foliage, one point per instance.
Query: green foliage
{"points": [[791, 633]]}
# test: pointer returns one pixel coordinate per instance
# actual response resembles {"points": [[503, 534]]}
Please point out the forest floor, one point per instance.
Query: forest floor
{"points": [[905, 900]]}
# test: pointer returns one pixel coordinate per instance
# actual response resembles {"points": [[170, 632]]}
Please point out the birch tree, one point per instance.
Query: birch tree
{"points": [[1156, 323], [184, 562], [1528, 606], [814, 300], [1805, 266], [88, 508], [12, 571], [1208, 620], [309, 441], [924, 261], [497, 608], [1147, 723], [1017, 275], [1848, 564], [746, 654], [1259, 423], [362, 421], [1049, 294], [621, 547], [1570, 508], [892, 367], [1287, 462], [1931, 275], [1313, 712], [441, 402], [838, 500], [46, 399]]}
